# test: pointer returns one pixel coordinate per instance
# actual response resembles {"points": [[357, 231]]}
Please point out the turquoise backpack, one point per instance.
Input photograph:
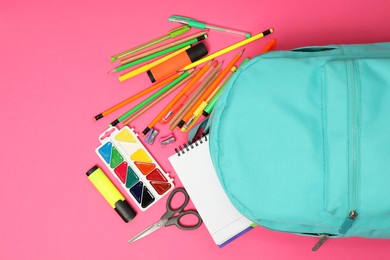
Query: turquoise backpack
{"points": [[301, 140]]}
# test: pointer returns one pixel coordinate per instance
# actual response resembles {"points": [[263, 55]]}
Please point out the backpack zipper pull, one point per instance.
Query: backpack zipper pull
{"points": [[321, 241], [348, 222]]}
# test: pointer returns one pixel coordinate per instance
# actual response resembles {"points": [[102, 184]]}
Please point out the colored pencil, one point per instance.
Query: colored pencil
{"points": [[136, 96], [150, 65], [198, 112], [176, 98], [271, 45], [160, 48], [154, 55], [180, 102], [229, 48], [210, 89], [152, 103], [171, 34], [194, 97], [151, 98]]}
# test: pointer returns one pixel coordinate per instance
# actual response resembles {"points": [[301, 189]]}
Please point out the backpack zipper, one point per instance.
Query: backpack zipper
{"points": [[353, 143], [353, 156], [321, 241]]}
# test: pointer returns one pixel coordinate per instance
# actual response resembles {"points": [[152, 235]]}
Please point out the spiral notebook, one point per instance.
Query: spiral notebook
{"points": [[194, 168]]}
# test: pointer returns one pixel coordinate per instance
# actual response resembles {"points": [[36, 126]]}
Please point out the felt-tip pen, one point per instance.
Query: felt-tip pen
{"points": [[197, 24], [116, 200]]}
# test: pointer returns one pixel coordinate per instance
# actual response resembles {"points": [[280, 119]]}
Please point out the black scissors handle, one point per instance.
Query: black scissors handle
{"points": [[175, 220], [183, 205]]}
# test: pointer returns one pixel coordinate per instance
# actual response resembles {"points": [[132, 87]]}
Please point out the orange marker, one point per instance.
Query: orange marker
{"points": [[138, 95], [210, 89], [177, 62], [176, 98]]}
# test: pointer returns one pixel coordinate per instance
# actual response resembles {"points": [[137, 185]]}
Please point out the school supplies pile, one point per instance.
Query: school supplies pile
{"points": [[300, 141], [178, 59], [179, 63]]}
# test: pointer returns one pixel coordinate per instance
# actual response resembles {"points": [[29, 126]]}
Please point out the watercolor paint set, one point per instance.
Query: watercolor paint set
{"points": [[130, 162]]}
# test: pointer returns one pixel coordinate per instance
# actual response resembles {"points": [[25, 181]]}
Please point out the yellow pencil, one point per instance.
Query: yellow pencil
{"points": [[230, 48], [150, 65]]}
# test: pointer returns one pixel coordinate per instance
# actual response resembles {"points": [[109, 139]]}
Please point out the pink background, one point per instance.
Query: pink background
{"points": [[54, 63]]}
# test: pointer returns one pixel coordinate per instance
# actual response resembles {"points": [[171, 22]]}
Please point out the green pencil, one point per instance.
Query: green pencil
{"points": [[151, 98], [171, 34], [159, 53]]}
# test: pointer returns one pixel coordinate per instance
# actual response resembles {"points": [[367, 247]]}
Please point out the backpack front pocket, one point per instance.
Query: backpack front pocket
{"points": [[356, 124]]}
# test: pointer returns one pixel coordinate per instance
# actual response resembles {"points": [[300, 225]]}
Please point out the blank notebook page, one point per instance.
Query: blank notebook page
{"points": [[196, 171]]}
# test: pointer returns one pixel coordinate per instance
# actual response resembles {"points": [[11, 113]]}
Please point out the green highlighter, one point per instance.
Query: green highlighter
{"points": [[197, 24]]}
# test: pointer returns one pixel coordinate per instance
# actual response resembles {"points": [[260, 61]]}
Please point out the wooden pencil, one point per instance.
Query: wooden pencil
{"points": [[152, 103], [168, 45], [194, 97]]}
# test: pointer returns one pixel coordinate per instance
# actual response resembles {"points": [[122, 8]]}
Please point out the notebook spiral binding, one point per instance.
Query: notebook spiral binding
{"points": [[190, 145]]}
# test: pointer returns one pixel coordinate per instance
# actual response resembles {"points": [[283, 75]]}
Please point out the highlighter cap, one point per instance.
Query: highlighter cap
{"points": [[196, 52], [123, 208]]}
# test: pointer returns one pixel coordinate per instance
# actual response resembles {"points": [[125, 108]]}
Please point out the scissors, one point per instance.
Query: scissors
{"points": [[169, 219]]}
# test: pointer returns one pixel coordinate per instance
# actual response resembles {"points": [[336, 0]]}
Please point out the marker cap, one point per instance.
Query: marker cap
{"points": [[197, 52], [177, 62], [124, 210]]}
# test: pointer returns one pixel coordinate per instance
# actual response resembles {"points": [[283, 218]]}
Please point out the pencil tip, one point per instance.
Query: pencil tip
{"points": [[111, 71]]}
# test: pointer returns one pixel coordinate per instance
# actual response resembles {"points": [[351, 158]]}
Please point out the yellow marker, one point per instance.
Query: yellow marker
{"points": [[230, 48], [146, 67], [112, 195]]}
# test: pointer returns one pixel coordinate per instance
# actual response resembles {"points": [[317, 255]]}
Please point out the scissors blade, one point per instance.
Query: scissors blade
{"points": [[149, 230]]}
